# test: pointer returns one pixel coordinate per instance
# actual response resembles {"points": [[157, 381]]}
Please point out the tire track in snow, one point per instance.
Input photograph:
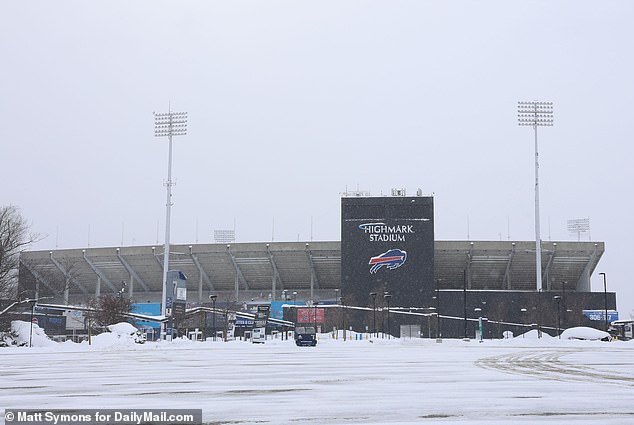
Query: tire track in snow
{"points": [[548, 364]]}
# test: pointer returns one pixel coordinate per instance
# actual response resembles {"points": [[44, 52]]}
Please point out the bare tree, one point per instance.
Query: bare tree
{"points": [[14, 237], [109, 309]]}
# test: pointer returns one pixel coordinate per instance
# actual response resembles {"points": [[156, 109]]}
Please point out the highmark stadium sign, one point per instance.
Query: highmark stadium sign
{"points": [[387, 245], [382, 232]]}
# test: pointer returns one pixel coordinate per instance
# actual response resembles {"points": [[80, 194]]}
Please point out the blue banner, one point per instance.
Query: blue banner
{"points": [[148, 309], [599, 315]]}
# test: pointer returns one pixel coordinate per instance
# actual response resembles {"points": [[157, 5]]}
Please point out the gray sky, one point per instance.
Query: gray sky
{"points": [[292, 102]]}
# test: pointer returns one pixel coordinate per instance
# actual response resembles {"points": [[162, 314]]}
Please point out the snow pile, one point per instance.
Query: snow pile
{"points": [[181, 342], [123, 328], [585, 333], [120, 334], [22, 332], [534, 334]]}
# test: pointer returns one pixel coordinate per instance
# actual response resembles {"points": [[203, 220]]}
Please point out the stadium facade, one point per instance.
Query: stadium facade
{"points": [[387, 249]]}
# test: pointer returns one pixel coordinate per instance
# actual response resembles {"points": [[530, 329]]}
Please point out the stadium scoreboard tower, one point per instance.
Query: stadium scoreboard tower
{"points": [[387, 245]]}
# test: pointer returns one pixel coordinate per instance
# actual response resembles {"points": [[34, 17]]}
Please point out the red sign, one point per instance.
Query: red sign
{"points": [[307, 315]]}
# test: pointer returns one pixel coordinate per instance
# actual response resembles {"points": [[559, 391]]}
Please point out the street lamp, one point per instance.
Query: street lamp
{"points": [[387, 297], [478, 311], [563, 303], [605, 300], [536, 114], [315, 313], [557, 299], [213, 317], [373, 295], [32, 311], [439, 333], [31, 331], [168, 125], [484, 320], [464, 300], [343, 317], [429, 313], [537, 314]]}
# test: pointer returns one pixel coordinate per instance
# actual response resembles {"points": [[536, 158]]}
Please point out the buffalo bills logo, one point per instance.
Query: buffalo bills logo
{"points": [[391, 259]]}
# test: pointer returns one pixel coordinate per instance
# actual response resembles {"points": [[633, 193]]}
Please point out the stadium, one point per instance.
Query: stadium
{"points": [[388, 273]]}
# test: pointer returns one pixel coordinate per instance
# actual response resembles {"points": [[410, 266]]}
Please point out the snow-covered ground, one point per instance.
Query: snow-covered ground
{"points": [[518, 381]]}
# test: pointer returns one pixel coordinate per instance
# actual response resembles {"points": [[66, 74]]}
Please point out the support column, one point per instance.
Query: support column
{"points": [[99, 273], [507, 273], [314, 282], [68, 279], [276, 275], [202, 275]]}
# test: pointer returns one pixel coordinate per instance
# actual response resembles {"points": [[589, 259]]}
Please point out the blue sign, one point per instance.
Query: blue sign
{"points": [[243, 322], [148, 309], [599, 315], [276, 309]]}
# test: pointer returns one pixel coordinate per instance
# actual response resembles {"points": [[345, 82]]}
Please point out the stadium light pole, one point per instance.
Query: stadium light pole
{"points": [[536, 114], [168, 124]]}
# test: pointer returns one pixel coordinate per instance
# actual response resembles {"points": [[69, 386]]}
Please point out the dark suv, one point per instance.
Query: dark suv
{"points": [[305, 336]]}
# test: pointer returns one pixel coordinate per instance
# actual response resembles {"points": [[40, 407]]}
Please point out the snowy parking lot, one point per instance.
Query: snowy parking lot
{"points": [[380, 382]]}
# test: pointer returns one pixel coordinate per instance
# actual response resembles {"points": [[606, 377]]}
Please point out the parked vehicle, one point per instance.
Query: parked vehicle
{"points": [[305, 336], [622, 329], [258, 335]]}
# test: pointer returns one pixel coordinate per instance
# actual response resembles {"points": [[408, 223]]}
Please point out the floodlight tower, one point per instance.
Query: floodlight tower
{"points": [[168, 124], [536, 114]]}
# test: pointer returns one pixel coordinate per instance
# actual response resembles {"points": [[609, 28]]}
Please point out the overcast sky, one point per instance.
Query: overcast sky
{"points": [[291, 103]]}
